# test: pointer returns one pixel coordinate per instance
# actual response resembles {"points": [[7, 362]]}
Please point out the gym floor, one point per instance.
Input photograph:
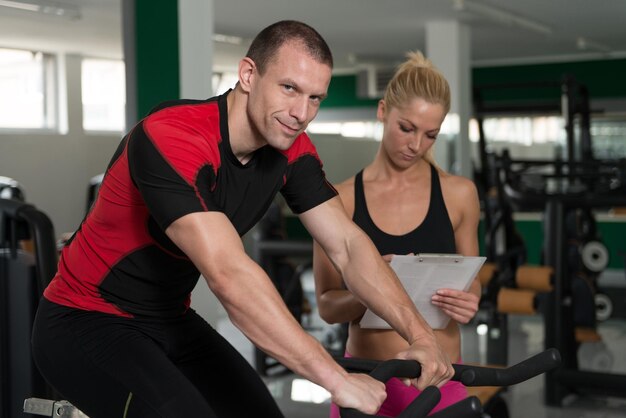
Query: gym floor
{"points": [[299, 398]]}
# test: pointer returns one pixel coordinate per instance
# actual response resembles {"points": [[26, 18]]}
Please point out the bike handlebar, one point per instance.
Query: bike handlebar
{"points": [[383, 371], [469, 375], [488, 376], [420, 407]]}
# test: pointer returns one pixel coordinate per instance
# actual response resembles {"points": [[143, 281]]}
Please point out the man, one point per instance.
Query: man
{"points": [[114, 333]]}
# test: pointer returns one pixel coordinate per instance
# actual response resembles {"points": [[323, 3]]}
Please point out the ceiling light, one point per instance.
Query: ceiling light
{"points": [[227, 39], [584, 44], [45, 7], [19, 5], [501, 16]]}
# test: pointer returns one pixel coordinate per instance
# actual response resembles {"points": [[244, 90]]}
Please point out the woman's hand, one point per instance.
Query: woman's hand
{"points": [[388, 257], [457, 304]]}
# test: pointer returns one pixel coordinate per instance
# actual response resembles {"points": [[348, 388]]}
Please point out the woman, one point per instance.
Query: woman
{"points": [[407, 205]]}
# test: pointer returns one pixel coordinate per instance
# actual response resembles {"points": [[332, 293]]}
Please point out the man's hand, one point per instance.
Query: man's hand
{"points": [[361, 392], [436, 367], [457, 304]]}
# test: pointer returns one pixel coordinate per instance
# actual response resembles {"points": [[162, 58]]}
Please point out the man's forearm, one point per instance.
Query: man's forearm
{"points": [[256, 308], [371, 279]]}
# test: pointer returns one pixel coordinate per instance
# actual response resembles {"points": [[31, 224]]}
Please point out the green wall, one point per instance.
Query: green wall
{"points": [[611, 233], [342, 93], [603, 78], [156, 53]]}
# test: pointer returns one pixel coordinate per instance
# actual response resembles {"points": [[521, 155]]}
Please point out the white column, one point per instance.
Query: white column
{"points": [[195, 46], [130, 60], [448, 47], [74, 94], [195, 43]]}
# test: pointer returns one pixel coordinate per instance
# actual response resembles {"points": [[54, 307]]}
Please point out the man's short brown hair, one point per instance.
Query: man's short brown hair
{"points": [[269, 40]]}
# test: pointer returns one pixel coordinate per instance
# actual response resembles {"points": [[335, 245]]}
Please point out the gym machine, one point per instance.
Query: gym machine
{"points": [[560, 188], [10, 189], [509, 285], [567, 98], [92, 189], [504, 246], [24, 273], [54, 409], [566, 191]]}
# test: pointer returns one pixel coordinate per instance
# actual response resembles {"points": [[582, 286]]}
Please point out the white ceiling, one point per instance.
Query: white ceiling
{"points": [[358, 31]]}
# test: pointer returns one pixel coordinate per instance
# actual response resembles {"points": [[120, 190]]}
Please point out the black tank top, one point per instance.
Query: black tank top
{"points": [[434, 235]]}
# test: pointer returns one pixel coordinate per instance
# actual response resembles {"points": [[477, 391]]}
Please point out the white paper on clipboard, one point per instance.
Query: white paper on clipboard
{"points": [[422, 275]]}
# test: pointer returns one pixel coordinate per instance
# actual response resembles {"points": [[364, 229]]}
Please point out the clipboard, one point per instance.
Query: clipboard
{"points": [[421, 275]]}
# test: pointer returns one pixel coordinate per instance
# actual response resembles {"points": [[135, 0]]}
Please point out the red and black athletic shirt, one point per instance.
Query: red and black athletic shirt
{"points": [[174, 162]]}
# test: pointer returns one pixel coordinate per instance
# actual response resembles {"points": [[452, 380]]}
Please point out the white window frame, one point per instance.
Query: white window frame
{"points": [[50, 96], [122, 81]]}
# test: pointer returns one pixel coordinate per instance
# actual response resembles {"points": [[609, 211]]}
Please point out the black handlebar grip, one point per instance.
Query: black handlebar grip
{"points": [[357, 365], [396, 368], [419, 408], [384, 371], [467, 408], [485, 376]]}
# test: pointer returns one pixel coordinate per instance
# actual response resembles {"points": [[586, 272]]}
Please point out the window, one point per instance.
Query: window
{"points": [[608, 137], [27, 86], [224, 81], [103, 95], [526, 131], [372, 129], [350, 129]]}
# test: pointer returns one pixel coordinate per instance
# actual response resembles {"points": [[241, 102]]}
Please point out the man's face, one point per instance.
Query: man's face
{"points": [[286, 97]]}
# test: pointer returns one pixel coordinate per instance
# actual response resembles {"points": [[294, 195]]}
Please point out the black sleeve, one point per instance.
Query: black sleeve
{"points": [[163, 187], [306, 185]]}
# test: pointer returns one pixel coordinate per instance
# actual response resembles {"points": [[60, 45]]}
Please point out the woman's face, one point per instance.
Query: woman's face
{"points": [[409, 131]]}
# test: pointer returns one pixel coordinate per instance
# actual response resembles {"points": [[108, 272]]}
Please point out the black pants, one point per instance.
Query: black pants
{"points": [[110, 367]]}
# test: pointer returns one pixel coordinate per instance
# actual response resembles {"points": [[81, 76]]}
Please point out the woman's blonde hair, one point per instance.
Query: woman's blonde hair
{"points": [[417, 77]]}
